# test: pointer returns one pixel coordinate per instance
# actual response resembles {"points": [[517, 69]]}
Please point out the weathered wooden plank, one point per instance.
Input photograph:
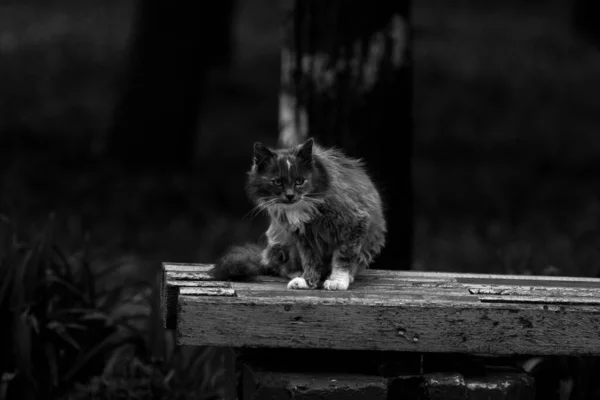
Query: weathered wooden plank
{"points": [[177, 276], [168, 300], [389, 310], [267, 385], [383, 297], [385, 282], [474, 277], [383, 287], [528, 281], [360, 285], [452, 385], [575, 300], [423, 276], [207, 284], [358, 290], [505, 386], [432, 288], [396, 324], [189, 275], [185, 267], [206, 291], [441, 386], [531, 291]]}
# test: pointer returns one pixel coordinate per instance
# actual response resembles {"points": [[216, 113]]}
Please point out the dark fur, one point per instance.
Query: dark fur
{"points": [[326, 217], [239, 263], [242, 263]]}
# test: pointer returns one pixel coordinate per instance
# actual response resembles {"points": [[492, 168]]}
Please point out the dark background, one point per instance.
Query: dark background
{"points": [[506, 137]]}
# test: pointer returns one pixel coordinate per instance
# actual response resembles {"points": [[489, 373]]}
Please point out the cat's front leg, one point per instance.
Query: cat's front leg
{"points": [[342, 272], [311, 275], [346, 261]]}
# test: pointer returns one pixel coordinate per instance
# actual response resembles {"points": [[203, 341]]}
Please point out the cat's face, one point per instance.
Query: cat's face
{"points": [[282, 177]]}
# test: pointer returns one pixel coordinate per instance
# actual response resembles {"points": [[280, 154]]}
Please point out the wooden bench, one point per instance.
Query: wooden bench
{"points": [[386, 312]]}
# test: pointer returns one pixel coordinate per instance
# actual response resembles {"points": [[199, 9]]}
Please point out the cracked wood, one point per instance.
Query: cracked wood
{"points": [[389, 310]]}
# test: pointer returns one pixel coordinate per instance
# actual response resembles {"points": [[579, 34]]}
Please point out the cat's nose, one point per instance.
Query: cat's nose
{"points": [[290, 197]]}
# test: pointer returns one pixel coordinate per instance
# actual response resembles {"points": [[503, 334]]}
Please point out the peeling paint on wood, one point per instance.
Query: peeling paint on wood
{"points": [[390, 310]]}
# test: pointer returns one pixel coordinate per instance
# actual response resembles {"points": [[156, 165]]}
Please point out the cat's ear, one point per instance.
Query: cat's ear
{"points": [[305, 150], [261, 153]]}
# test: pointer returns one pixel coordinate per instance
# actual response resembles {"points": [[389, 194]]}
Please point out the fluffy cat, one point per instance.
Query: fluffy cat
{"points": [[326, 215]]}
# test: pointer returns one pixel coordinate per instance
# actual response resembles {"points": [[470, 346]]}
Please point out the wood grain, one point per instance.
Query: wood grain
{"points": [[177, 276], [389, 310]]}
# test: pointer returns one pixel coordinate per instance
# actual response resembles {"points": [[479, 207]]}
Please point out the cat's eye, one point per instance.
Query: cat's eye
{"points": [[300, 181], [277, 182]]}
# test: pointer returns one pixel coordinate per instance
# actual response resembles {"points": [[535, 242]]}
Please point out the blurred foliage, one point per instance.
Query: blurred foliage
{"points": [[64, 337]]}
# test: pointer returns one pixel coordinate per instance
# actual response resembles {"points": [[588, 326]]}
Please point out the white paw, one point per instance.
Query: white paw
{"points": [[297, 283], [336, 284], [292, 275], [338, 280]]}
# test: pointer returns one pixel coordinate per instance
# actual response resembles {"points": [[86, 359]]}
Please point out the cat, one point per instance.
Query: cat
{"points": [[326, 218]]}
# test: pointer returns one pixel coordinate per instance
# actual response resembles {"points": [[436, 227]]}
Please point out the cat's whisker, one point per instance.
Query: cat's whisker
{"points": [[255, 210], [262, 206], [252, 213], [249, 212], [265, 205]]}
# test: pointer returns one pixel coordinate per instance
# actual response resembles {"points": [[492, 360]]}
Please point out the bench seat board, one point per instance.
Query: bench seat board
{"points": [[388, 310]]}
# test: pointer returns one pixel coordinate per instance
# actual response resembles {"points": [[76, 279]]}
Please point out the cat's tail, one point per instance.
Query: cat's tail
{"points": [[239, 263]]}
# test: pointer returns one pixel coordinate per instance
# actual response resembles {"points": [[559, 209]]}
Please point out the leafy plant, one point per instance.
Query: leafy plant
{"points": [[65, 338]]}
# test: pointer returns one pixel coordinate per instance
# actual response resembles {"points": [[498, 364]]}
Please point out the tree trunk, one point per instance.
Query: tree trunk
{"points": [[156, 119], [347, 82]]}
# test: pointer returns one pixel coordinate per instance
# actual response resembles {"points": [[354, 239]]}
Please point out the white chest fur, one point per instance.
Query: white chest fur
{"points": [[292, 217]]}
